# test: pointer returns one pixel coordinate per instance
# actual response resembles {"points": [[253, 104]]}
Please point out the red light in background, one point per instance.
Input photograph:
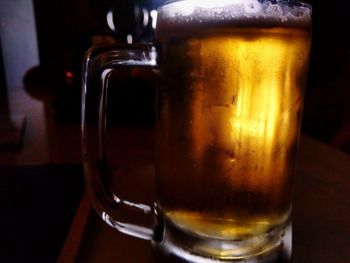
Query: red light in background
{"points": [[69, 76]]}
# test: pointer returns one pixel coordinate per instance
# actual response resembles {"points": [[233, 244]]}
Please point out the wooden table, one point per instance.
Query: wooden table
{"points": [[321, 214]]}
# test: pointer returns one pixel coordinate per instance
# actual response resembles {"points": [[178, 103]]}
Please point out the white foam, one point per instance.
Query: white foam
{"points": [[198, 11]]}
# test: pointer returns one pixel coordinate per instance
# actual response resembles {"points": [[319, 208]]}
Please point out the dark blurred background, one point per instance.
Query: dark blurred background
{"points": [[327, 107], [41, 52]]}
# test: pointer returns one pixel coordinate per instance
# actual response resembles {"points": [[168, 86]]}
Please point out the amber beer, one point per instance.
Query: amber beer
{"points": [[228, 121]]}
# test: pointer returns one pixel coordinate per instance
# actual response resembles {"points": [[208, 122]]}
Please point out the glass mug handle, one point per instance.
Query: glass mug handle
{"points": [[98, 65]]}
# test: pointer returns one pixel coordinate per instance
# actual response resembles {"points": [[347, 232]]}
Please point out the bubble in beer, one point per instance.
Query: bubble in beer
{"points": [[274, 10], [252, 6]]}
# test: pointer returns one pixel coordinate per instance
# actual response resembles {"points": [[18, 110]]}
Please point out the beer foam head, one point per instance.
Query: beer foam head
{"points": [[239, 11]]}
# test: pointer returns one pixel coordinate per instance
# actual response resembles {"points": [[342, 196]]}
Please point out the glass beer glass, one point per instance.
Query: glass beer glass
{"points": [[231, 84]]}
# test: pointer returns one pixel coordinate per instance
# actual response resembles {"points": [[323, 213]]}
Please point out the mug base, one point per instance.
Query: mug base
{"points": [[178, 246]]}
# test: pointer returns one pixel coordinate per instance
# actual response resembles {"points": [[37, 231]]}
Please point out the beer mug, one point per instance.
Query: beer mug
{"points": [[229, 102]]}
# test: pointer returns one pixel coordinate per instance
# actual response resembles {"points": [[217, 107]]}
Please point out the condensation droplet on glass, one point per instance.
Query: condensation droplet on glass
{"points": [[233, 100], [232, 157]]}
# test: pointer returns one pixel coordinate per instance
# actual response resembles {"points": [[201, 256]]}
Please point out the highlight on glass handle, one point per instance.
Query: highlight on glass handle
{"points": [[99, 64]]}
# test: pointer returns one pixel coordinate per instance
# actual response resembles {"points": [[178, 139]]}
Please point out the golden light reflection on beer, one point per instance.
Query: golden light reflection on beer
{"points": [[251, 106], [255, 120]]}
